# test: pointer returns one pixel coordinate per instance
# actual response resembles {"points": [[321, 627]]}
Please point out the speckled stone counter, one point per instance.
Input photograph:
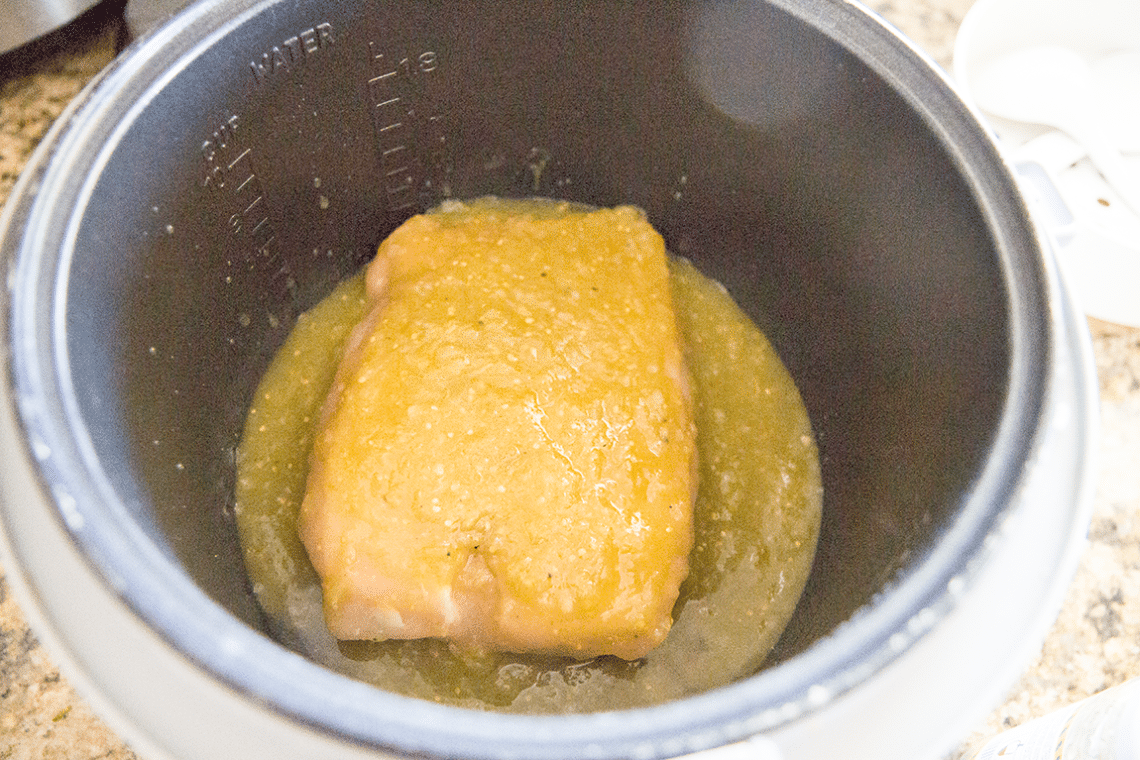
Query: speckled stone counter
{"points": [[1094, 644]]}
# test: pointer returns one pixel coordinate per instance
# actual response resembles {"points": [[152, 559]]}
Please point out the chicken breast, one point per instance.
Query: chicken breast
{"points": [[507, 457]]}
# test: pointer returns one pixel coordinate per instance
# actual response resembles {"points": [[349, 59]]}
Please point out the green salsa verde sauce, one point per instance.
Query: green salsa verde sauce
{"points": [[756, 521]]}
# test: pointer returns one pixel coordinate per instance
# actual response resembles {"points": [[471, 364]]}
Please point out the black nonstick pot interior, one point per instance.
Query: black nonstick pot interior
{"points": [[244, 165]]}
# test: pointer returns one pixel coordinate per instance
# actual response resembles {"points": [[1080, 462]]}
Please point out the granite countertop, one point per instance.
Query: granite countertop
{"points": [[1094, 644]]}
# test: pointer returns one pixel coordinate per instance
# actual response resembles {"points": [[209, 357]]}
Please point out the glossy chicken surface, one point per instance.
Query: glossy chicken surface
{"points": [[507, 456]]}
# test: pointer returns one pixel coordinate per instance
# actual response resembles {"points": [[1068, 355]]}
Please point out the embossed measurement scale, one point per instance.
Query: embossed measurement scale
{"points": [[410, 138]]}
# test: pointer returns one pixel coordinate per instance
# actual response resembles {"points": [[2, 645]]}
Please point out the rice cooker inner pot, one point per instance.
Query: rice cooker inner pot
{"points": [[239, 166]]}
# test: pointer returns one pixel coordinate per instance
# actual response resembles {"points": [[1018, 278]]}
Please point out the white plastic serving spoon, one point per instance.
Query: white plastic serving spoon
{"points": [[1052, 86]]}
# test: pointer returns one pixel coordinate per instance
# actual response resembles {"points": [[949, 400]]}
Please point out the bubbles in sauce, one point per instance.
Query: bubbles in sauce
{"points": [[756, 522]]}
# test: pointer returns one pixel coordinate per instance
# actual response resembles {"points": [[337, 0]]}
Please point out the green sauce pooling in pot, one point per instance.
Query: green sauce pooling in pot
{"points": [[755, 521]]}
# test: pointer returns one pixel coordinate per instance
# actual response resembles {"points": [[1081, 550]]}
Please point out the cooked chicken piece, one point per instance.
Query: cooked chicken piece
{"points": [[507, 457]]}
